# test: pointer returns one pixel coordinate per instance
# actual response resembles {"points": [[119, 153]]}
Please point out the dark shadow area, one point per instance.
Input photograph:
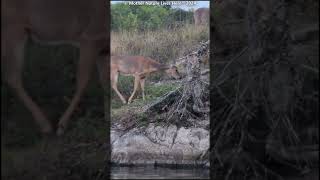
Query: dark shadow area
{"points": [[264, 89], [49, 77]]}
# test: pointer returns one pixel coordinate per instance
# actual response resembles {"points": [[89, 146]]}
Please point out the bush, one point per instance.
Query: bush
{"points": [[144, 17]]}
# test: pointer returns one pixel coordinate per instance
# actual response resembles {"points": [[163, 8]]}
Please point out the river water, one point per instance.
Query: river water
{"points": [[150, 172]]}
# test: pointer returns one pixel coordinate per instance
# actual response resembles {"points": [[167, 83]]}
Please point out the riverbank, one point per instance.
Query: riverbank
{"points": [[155, 144]]}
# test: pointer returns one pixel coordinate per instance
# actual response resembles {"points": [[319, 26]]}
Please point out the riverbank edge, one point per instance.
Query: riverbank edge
{"points": [[163, 165]]}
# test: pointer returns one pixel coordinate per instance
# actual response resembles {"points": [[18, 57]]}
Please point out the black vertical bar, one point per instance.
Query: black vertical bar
{"points": [[107, 94], [211, 92]]}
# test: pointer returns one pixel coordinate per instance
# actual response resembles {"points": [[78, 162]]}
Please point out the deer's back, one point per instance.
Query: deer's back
{"points": [[53, 20], [132, 64], [201, 16]]}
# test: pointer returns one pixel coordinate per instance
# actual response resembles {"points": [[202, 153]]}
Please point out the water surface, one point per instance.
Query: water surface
{"points": [[150, 172]]}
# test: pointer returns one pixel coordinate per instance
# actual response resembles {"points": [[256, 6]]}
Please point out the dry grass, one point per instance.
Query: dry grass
{"points": [[163, 45]]}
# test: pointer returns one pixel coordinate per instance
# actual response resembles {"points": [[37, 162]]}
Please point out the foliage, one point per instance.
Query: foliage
{"points": [[144, 17]]}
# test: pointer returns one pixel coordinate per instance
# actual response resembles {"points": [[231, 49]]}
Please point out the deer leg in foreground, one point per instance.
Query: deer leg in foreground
{"points": [[12, 59], [136, 84], [142, 82], [88, 55], [114, 82]]}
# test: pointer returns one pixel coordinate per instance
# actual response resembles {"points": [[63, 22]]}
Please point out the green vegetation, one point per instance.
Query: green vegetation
{"points": [[144, 17], [125, 86]]}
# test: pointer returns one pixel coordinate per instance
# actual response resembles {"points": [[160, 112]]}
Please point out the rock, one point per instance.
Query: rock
{"points": [[160, 145]]}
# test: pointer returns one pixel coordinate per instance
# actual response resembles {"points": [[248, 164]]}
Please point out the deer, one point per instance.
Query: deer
{"points": [[139, 67], [81, 23], [201, 16]]}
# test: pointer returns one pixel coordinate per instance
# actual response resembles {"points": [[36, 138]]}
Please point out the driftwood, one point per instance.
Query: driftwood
{"points": [[202, 49], [163, 102], [193, 104], [189, 103]]}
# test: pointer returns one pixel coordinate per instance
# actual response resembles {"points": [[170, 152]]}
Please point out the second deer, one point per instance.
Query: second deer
{"points": [[138, 67]]}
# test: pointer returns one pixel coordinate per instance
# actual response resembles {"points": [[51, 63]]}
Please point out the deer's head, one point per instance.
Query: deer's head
{"points": [[173, 72]]}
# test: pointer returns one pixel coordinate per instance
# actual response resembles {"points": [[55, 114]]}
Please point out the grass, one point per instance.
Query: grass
{"points": [[152, 91], [162, 45]]}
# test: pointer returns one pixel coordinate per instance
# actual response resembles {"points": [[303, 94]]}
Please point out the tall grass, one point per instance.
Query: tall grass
{"points": [[163, 45]]}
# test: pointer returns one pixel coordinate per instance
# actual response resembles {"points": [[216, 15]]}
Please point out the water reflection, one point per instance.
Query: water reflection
{"points": [[150, 172]]}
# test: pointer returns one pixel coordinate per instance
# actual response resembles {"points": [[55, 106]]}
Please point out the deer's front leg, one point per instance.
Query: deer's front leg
{"points": [[142, 82], [12, 58], [88, 55]]}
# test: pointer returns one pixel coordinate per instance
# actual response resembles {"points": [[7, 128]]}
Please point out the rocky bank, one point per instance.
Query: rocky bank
{"points": [[155, 144]]}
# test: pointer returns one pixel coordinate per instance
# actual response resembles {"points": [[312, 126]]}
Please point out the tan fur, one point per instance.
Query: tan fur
{"points": [[138, 67], [78, 22], [201, 16]]}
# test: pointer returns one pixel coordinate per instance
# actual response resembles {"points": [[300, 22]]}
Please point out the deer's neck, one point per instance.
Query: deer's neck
{"points": [[158, 67]]}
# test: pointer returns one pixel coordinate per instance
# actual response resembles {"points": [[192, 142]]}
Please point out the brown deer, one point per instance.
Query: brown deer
{"points": [[138, 67], [201, 16], [82, 23]]}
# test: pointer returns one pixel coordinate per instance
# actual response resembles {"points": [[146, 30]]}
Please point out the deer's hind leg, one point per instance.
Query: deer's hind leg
{"points": [[114, 83], [135, 88], [12, 59]]}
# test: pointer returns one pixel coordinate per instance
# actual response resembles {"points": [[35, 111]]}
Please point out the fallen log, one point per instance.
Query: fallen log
{"points": [[163, 102]]}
